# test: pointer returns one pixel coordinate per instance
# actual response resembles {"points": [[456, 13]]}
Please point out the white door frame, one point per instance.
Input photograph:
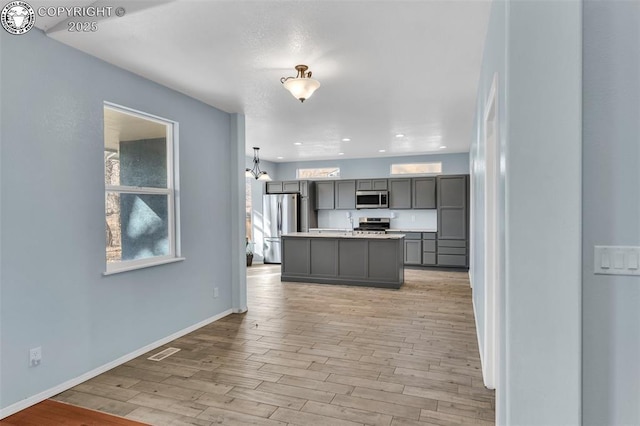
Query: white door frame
{"points": [[491, 236]]}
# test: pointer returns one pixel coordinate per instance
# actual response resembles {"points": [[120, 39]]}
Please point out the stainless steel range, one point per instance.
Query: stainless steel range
{"points": [[372, 225]]}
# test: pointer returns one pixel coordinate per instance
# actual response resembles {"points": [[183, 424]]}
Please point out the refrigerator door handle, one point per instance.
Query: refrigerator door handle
{"points": [[279, 218]]}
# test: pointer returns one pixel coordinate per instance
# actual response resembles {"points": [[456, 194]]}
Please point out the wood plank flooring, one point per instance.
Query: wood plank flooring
{"points": [[312, 354]]}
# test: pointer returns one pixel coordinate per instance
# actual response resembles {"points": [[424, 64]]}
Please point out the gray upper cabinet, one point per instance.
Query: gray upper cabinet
{"points": [[400, 193], [274, 187], [453, 214], [304, 188], [424, 193], [291, 186], [380, 184], [371, 185], [308, 216], [325, 195], [345, 192]]}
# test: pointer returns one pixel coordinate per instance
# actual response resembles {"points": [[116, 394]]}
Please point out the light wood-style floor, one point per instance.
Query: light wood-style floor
{"points": [[312, 354]]}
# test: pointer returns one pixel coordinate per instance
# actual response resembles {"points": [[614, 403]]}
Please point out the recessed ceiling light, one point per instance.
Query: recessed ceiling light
{"points": [[399, 135], [443, 147], [346, 140], [280, 158], [341, 153], [382, 150], [297, 143]]}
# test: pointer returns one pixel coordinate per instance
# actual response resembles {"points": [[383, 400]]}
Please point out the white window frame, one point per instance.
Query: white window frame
{"points": [[318, 177], [171, 191], [415, 174]]}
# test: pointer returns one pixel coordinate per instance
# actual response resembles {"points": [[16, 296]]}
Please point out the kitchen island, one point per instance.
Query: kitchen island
{"points": [[343, 258]]}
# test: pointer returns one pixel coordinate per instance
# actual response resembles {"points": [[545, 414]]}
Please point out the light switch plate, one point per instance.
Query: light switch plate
{"points": [[617, 260]]}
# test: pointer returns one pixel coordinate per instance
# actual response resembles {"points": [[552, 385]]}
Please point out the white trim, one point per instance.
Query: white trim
{"points": [[116, 268], [32, 400], [137, 190], [473, 303], [491, 241]]}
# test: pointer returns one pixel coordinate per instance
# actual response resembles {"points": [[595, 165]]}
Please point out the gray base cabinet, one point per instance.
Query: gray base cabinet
{"points": [[361, 261]]}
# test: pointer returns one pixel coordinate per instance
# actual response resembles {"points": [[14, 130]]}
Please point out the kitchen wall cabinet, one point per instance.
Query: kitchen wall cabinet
{"points": [[453, 196], [289, 186], [325, 195], [371, 185], [423, 193], [273, 187], [308, 215], [345, 193], [400, 193]]}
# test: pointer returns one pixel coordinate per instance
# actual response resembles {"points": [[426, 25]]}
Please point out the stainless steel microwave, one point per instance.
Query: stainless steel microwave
{"points": [[372, 199]]}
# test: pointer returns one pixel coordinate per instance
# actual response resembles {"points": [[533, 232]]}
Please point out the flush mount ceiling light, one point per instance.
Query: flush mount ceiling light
{"points": [[256, 172], [302, 85]]}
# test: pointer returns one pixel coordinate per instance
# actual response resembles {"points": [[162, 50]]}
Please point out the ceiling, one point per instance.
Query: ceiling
{"points": [[121, 127], [386, 68]]}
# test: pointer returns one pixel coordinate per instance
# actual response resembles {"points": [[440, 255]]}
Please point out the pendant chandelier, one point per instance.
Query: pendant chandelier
{"points": [[255, 172], [302, 85]]}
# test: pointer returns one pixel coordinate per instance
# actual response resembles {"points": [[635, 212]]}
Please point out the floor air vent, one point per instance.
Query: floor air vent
{"points": [[163, 354]]}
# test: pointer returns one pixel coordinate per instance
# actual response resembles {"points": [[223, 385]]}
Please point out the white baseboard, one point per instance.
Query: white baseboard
{"points": [[480, 347], [32, 400]]}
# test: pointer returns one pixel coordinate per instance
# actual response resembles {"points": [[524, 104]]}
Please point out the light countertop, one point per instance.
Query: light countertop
{"points": [[347, 234], [412, 230]]}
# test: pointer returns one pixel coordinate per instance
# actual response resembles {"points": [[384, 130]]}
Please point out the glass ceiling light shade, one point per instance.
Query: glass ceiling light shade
{"points": [[255, 172], [301, 86]]}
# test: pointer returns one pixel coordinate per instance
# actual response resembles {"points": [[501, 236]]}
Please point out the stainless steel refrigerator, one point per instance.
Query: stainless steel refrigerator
{"points": [[279, 216]]}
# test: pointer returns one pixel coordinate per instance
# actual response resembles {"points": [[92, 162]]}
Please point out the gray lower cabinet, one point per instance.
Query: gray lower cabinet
{"points": [[453, 253], [325, 195], [429, 249], [345, 193], [424, 193], [400, 193], [375, 262], [413, 252]]}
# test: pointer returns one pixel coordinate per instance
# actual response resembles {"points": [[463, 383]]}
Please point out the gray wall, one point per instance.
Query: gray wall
{"points": [[53, 293], [362, 168], [611, 212], [536, 49]]}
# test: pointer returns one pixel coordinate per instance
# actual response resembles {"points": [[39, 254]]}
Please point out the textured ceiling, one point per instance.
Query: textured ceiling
{"points": [[386, 68]]}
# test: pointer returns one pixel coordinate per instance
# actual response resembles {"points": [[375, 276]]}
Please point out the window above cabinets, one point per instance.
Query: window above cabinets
{"points": [[411, 169], [318, 173]]}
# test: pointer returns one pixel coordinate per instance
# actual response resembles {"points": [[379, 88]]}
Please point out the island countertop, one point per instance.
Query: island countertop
{"points": [[346, 234]]}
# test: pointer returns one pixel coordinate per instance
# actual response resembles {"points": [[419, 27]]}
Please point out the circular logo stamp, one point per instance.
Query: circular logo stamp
{"points": [[18, 17]]}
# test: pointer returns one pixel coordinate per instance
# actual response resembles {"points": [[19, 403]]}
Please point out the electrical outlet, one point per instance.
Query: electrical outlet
{"points": [[215, 292], [35, 356]]}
